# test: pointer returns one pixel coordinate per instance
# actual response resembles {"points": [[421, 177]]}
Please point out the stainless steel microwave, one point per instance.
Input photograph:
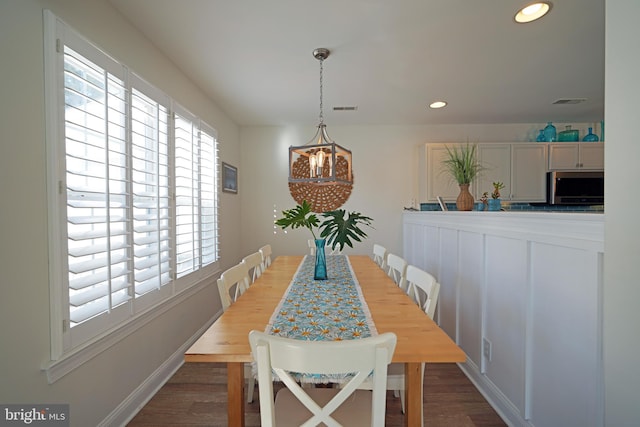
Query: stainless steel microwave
{"points": [[575, 188]]}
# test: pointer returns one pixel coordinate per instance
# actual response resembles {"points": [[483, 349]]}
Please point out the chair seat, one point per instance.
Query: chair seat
{"points": [[355, 412]]}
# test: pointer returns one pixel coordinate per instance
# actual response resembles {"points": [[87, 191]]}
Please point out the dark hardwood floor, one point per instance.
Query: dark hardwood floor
{"points": [[197, 396]]}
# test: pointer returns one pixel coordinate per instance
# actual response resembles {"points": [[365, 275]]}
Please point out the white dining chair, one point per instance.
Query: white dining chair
{"points": [[380, 255], [396, 269], [346, 406], [423, 288], [254, 265], [265, 251], [231, 285]]}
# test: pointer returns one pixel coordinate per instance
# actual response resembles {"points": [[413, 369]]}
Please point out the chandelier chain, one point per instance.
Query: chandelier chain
{"points": [[321, 113]]}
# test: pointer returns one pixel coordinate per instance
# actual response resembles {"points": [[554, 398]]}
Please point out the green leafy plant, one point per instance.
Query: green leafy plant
{"points": [[339, 227], [462, 164], [497, 186]]}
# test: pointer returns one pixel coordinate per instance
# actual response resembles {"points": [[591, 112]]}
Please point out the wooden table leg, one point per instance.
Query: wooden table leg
{"points": [[235, 394], [413, 396]]}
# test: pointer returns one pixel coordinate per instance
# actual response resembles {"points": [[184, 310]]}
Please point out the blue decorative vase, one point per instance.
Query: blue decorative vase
{"points": [[590, 137], [320, 272], [494, 205], [541, 137], [549, 132]]}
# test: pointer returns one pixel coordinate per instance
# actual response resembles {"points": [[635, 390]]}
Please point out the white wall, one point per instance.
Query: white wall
{"points": [[385, 165], [95, 389], [622, 228]]}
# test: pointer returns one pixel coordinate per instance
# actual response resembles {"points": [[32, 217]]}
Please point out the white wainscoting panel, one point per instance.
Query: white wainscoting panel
{"points": [[521, 294]]}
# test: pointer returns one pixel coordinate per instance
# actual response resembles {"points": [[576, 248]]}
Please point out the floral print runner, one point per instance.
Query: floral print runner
{"points": [[332, 309]]}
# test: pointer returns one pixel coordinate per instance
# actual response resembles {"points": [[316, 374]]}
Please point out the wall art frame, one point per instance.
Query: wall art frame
{"points": [[229, 178]]}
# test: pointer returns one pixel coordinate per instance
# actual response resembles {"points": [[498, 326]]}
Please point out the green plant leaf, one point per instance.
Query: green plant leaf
{"points": [[461, 163], [340, 231], [300, 216]]}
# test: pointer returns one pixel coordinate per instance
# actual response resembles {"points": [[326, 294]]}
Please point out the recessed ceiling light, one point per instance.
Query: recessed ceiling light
{"points": [[438, 104], [532, 12]]}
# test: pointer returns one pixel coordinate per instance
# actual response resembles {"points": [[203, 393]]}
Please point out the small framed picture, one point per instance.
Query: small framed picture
{"points": [[229, 178], [443, 205]]}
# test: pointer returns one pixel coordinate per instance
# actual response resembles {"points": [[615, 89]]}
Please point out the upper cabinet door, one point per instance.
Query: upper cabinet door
{"points": [[592, 156], [438, 182], [576, 156], [564, 156], [528, 172], [496, 160]]}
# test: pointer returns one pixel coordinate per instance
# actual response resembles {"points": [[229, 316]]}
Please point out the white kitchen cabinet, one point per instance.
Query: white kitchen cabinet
{"points": [[576, 156], [521, 167], [435, 181], [496, 160], [528, 173]]}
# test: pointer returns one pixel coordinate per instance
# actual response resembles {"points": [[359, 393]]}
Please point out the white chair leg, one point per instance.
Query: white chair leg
{"points": [[402, 400], [250, 387]]}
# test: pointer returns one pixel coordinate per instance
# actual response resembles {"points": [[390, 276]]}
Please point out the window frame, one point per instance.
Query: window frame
{"points": [[68, 350]]}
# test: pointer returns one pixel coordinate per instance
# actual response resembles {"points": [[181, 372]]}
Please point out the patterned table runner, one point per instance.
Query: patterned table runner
{"points": [[332, 309]]}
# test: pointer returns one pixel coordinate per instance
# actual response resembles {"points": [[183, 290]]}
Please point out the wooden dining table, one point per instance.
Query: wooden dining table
{"points": [[419, 339]]}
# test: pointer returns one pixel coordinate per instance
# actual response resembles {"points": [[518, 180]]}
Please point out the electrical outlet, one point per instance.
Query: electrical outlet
{"points": [[486, 349]]}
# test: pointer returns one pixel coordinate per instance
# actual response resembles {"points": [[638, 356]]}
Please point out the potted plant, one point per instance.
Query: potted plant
{"points": [[338, 229], [463, 166], [484, 201], [494, 203]]}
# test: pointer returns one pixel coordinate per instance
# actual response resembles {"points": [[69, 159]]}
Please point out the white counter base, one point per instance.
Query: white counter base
{"points": [[521, 294]]}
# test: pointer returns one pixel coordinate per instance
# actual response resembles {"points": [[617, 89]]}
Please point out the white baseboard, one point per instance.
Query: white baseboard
{"points": [[129, 407], [503, 406]]}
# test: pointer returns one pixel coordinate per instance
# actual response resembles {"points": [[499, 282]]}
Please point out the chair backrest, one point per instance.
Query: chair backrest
{"points": [[312, 246], [423, 288], [380, 255], [265, 251], [397, 268], [254, 265], [232, 283], [359, 357]]}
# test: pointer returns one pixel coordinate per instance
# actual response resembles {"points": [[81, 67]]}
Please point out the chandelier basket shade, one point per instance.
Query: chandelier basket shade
{"points": [[320, 171]]}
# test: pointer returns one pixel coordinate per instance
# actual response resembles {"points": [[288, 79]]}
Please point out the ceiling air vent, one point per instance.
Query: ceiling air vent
{"points": [[569, 101], [345, 108]]}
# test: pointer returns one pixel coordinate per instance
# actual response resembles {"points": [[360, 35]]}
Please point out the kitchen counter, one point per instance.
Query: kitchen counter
{"points": [[584, 230], [525, 207]]}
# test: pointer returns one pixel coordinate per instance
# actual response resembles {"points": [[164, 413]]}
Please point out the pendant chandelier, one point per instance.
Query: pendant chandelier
{"points": [[320, 171]]}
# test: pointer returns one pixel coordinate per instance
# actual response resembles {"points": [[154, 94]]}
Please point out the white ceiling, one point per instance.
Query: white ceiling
{"points": [[388, 58]]}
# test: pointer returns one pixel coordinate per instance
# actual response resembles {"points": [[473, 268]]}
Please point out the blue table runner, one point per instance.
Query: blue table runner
{"points": [[332, 309]]}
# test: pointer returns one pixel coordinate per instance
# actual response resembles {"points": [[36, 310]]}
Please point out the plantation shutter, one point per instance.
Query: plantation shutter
{"points": [[195, 187], [133, 198], [208, 195], [150, 191], [96, 187]]}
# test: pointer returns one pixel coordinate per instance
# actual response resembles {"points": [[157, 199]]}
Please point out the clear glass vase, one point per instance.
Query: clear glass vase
{"points": [[320, 272]]}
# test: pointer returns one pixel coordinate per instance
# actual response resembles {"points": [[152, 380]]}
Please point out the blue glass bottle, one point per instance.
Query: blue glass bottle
{"points": [[549, 132], [541, 137], [591, 137]]}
